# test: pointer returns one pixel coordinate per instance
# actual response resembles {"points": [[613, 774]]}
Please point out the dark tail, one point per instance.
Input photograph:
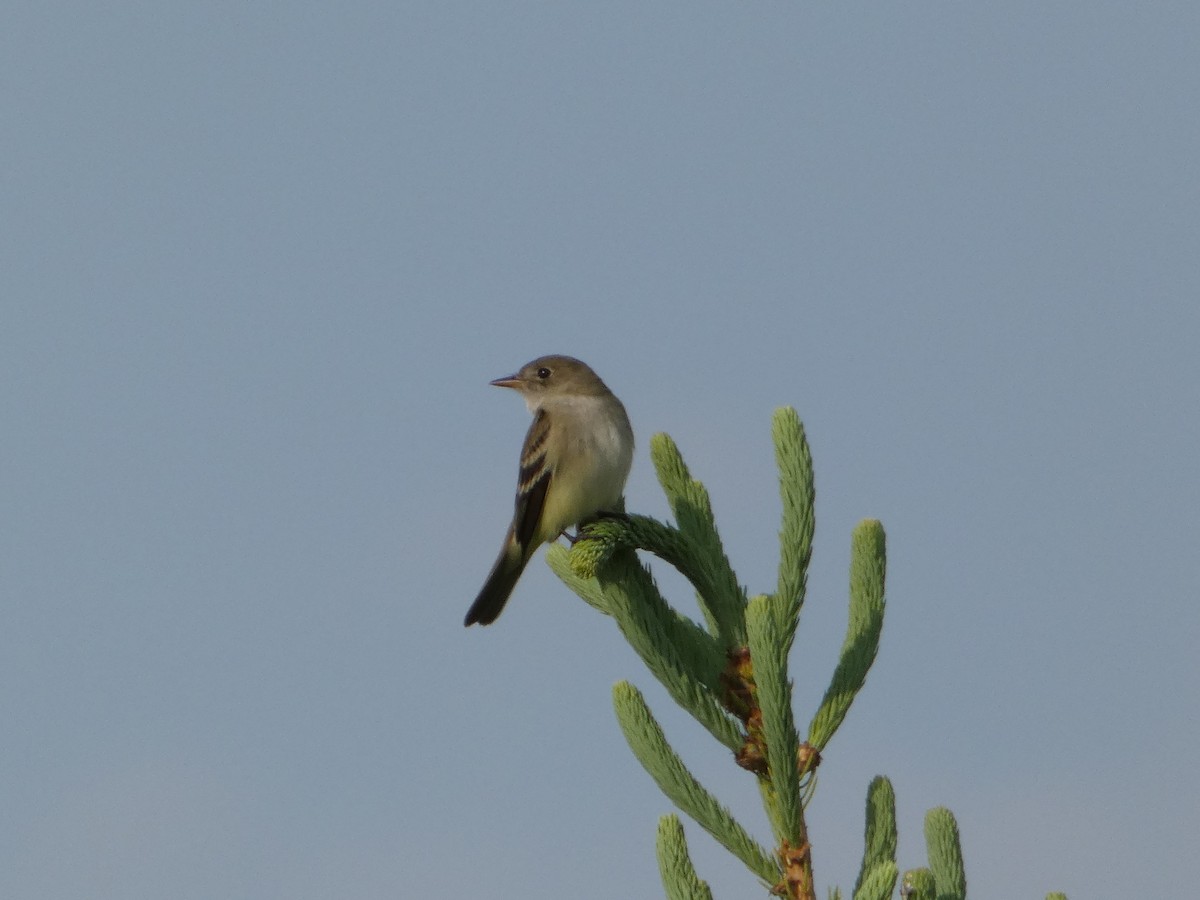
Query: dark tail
{"points": [[499, 585]]}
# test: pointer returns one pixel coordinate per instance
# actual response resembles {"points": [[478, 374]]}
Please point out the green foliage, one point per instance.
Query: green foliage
{"points": [[767, 625], [649, 745], [879, 842], [721, 598], [879, 882], [682, 656], [731, 675], [675, 865], [919, 885], [868, 564], [945, 854], [798, 493]]}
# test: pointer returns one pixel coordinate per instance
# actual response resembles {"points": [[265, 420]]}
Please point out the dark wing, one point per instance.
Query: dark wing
{"points": [[533, 481]]}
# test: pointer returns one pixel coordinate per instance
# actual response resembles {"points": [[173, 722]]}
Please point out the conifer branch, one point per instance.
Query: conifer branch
{"points": [[918, 884], [945, 854], [733, 678], [593, 551], [879, 882], [679, 655], [868, 563], [720, 595], [649, 745], [879, 841], [562, 563], [767, 626], [798, 494], [675, 865], [600, 539]]}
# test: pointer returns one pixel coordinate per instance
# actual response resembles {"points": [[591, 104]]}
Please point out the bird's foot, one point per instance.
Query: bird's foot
{"points": [[598, 516]]}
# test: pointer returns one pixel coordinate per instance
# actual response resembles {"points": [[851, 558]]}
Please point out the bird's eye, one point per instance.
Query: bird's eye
{"points": [[543, 373]]}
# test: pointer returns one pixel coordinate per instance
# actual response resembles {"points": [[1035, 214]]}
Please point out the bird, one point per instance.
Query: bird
{"points": [[574, 463]]}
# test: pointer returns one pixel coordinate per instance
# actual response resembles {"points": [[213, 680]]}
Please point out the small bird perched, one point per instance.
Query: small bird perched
{"points": [[574, 464]]}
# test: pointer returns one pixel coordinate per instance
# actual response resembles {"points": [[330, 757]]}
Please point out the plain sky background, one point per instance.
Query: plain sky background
{"points": [[258, 263]]}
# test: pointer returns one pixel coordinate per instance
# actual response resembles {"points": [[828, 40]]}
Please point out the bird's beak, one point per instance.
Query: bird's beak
{"points": [[512, 381]]}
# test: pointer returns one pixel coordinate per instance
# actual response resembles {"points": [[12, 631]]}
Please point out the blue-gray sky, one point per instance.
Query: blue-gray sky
{"points": [[258, 264]]}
